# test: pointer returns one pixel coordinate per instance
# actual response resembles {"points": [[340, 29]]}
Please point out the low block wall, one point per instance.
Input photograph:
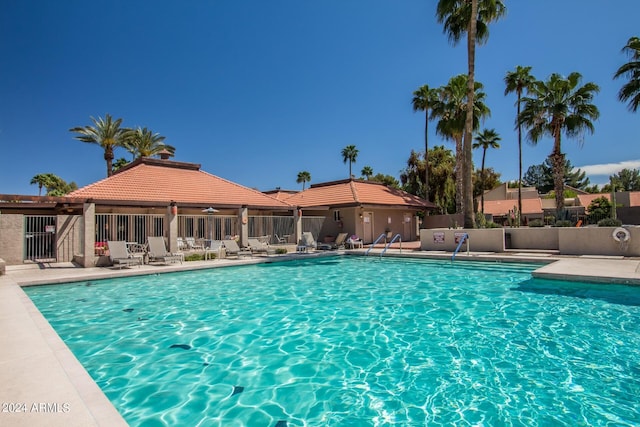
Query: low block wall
{"points": [[480, 240], [597, 241], [540, 238]]}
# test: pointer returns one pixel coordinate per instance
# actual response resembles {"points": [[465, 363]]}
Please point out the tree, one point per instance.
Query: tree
{"points": [[119, 164], [349, 154], [470, 17], [54, 185], [367, 172], [599, 208], [387, 180], [491, 181], [630, 91], [303, 178], [541, 176], [424, 99], [142, 142], [441, 182], [451, 112], [43, 180], [559, 105], [106, 133], [486, 139], [518, 81], [626, 180]]}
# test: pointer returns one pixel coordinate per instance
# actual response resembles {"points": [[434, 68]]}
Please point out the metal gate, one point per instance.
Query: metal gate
{"points": [[40, 238]]}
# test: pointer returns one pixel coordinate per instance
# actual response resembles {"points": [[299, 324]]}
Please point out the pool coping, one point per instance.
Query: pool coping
{"points": [[47, 386]]}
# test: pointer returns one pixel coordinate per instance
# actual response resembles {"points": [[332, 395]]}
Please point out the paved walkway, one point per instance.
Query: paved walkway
{"points": [[42, 384]]}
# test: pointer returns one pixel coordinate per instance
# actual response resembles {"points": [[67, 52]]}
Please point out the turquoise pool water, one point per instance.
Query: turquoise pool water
{"points": [[354, 341]]}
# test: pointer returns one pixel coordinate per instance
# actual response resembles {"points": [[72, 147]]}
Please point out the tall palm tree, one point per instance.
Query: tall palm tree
{"points": [[559, 105], [303, 178], [142, 142], [631, 70], [424, 99], [367, 172], [518, 81], [486, 139], [349, 154], [43, 180], [451, 112], [107, 133], [470, 18]]}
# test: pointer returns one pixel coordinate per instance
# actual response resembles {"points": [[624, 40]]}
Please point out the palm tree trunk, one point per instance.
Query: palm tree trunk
{"points": [[519, 161], [484, 154], [108, 157], [426, 155], [459, 170], [467, 207], [558, 174]]}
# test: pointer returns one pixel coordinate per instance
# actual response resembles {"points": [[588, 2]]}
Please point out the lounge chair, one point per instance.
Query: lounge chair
{"points": [[337, 243], [120, 255], [158, 251], [182, 245], [191, 243], [256, 246], [281, 239], [214, 247], [231, 248], [307, 242]]}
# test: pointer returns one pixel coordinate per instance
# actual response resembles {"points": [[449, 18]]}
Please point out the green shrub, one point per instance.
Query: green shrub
{"points": [[609, 222], [536, 223], [491, 224], [195, 257], [563, 223], [281, 251]]}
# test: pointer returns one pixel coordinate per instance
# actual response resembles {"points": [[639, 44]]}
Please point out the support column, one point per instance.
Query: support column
{"points": [[243, 220], [297, 214], [89, 234], [171, 227]]}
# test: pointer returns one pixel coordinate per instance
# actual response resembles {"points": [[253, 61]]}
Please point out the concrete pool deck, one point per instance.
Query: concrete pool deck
{"points": [[42, 383]]}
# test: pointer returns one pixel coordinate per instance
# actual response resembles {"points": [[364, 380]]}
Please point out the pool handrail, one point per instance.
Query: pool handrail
{"points": [[464, 237], [396, 237], [380, 237]]}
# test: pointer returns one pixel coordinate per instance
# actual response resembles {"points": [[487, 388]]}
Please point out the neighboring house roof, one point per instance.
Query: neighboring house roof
{"points": [[586, 199], [163, 181], [634, 198], [502, 207], [280, 194], [355, 192]]}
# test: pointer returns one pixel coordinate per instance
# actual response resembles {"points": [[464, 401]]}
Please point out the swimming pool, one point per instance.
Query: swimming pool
{"points": [[354, 341]]}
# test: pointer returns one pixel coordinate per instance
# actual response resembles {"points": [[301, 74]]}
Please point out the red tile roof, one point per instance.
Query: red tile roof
{"points": [[586, 199], [502, 207], [163, 181], [355, 193]]}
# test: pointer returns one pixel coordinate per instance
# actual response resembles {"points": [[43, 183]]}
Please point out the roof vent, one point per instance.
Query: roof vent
{"points": [[165, 154]]}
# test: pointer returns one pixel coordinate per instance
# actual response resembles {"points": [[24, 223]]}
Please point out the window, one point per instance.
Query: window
{"points": [[336, 216]]}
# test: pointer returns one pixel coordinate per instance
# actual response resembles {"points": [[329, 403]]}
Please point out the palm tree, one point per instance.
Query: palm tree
{"points": [[518, 81], [367, 172], [486, 139], [43, 180], [451, 111], [631, 70], [349, 154], [556, 106], [424, 99], [470, 17], [107, 133], [142, 142], [303, 178]]}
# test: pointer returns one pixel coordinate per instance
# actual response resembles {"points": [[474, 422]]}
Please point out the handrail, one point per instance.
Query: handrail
{"points": [[380, 237], [465, 236], [397, 236]]}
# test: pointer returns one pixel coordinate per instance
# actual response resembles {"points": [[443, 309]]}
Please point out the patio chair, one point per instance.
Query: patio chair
{"points": [[337, 243], [280, 240], [307, 242], [256, 246], [231, 248], [182, 245], [191, 243], [214, 247], [120, 255], [158, 251], [354, 242]]}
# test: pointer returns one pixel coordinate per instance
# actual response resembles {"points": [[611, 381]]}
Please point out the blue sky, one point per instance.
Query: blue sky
{"points": [[257, 91]]}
